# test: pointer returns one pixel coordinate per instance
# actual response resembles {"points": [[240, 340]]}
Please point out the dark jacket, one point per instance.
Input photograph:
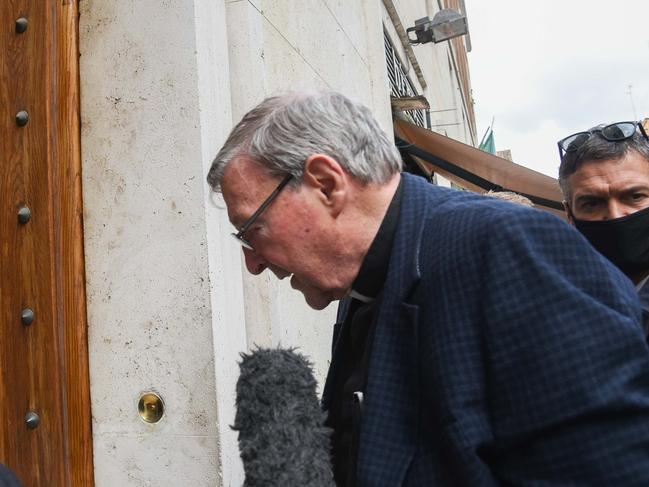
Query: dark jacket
{"points": [[7, 478], [506, 351], [643, 294]]}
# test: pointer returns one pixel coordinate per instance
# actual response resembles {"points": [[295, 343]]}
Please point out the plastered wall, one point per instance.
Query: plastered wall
{"points": [[151, 301], [170, 303], [276, 47]]}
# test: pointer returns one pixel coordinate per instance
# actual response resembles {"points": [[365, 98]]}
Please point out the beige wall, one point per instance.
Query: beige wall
{"points": [[291, 45], [170, 304], [151, 304]]}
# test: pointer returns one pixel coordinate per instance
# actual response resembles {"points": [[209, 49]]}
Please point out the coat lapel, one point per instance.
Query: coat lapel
{"points": [[391, 411], [643, 294]]}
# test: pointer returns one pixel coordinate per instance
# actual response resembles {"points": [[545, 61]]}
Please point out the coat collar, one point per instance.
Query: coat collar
{"points": [[391, 412], [643, 294], [404, 271]]}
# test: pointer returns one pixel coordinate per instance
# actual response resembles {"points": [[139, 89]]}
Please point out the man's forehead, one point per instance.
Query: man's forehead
{"points": [[240, 166], [243, 186], [630, 163], [613, 174], [242, 175]]}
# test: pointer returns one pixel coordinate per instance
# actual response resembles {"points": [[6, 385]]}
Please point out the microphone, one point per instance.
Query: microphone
{"points": [[282, 439]]}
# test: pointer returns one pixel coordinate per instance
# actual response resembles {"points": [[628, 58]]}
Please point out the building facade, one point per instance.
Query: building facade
{"points": [[169, 303]]}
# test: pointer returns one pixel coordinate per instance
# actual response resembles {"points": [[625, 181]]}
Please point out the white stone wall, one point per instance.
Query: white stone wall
{"points": [[169, 301], [291, 45], [161, 315]]}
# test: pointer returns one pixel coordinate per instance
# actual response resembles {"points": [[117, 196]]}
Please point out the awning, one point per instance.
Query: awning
{"points": [[474, 169]]}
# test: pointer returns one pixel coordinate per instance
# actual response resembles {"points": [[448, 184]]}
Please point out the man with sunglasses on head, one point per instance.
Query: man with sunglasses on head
{"points": [[604, 177], [475, 348]]}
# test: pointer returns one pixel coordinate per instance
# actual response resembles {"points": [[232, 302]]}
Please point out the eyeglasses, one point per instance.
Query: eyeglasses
{"points": [[615, 132], [239, 235]]}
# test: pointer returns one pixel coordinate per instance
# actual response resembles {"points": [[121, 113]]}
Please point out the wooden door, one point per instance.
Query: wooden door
{"points": [[45, 422]]}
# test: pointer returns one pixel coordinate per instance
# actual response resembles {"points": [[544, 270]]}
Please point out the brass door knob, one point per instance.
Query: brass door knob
{"points": [[150, 407]]}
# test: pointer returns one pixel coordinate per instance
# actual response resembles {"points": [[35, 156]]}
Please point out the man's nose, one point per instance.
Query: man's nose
{"points": [[616, 210], [254, 261]]}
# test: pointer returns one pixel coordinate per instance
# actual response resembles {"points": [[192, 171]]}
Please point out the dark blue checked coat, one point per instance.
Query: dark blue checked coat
{"points": [[506, 352], [7, 478], [643, 294]]}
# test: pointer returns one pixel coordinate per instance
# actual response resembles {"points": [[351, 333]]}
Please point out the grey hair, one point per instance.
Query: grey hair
{"points": [[511, 197], [283, 131], [598, 149]]}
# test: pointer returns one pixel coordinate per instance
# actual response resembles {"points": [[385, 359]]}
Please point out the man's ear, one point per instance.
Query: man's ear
{"points": [[566, 207], [328, 179]]}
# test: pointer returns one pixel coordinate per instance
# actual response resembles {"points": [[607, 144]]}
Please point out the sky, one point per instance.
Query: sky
{"points": [[546, 69]]}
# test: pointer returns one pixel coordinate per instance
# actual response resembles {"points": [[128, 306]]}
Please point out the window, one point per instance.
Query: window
{"points": [[400, 84]]}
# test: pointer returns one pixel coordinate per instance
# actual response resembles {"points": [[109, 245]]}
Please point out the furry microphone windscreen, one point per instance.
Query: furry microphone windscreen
{"points": [[282, 439]]}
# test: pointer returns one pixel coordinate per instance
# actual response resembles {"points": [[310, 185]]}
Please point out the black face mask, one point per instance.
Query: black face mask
{"points": [[624, 241]]}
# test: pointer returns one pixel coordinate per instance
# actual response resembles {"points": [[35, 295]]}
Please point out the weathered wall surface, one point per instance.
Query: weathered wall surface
{"points": [[152, 324], [165, 282], [276, 47], [170, 303]]}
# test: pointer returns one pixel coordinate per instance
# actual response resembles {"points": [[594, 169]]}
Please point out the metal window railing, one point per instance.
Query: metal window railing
{"points": [[400, 84]]}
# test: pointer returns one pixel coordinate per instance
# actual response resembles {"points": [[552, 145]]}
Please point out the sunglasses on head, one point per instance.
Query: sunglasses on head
{"points": [[614, 132]]}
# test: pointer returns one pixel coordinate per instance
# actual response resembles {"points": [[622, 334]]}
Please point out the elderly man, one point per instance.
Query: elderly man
{"points": [[604, 176], [482, 343]]}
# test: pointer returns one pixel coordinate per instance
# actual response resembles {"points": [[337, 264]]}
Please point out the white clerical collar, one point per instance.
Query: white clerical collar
{"points": [[642, 283], [360, 297]]}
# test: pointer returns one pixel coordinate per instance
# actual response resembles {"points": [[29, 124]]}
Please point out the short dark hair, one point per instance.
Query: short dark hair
{"points": [[598, 149]]}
